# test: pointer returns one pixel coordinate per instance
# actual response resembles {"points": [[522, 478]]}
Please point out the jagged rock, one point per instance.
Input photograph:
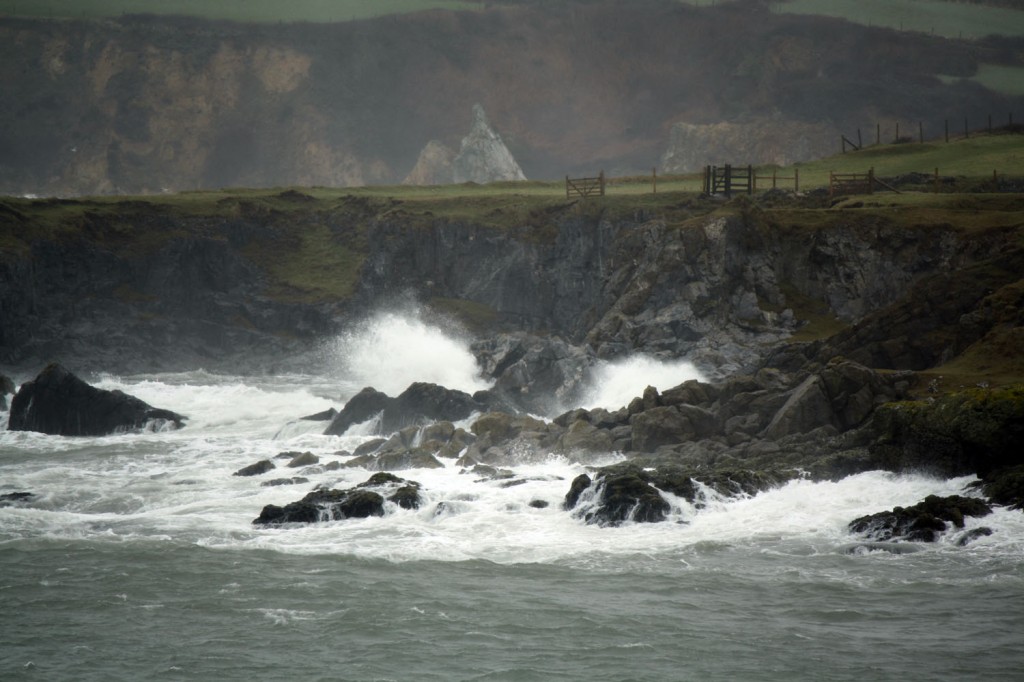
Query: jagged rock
{"points": [[1005, 486], [433, 167], [534, 374], [576, 488], [396, 460], [418, 404], [257, 469], [483, 157], [923, 522], [59, 403], [369, 447], [806, 408]]}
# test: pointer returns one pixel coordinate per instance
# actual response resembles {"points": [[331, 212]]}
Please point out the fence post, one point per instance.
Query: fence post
{"points": [[654, 179], [751, 179], [947, 130], [936, 179], [871, 180], [860, 142], [967, 133], [796, 179], [728, 181], [601, 178], [920, 131], [566, 186], [878, 133]]}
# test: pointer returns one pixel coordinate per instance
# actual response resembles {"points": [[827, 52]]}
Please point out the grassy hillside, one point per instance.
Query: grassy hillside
{"points": [[938, 17], [269, 11]]}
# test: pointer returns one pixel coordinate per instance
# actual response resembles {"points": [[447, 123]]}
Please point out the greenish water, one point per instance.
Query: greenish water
{"points": [[102, 610], [136, 559]]}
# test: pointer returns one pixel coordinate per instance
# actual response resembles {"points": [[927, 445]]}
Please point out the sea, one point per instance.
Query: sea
{"points": [[137, 559]]}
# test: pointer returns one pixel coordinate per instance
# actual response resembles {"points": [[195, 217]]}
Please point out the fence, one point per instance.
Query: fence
{"points": [[898, 138], [728, 179], [856, 183], [584, 187], [775, 177]]}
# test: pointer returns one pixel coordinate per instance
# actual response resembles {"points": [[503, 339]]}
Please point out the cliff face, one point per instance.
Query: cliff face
{"points": [[145, 285], [144, 105]]}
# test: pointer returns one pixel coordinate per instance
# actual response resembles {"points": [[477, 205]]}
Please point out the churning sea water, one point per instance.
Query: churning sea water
{"points": [[137, 558]]}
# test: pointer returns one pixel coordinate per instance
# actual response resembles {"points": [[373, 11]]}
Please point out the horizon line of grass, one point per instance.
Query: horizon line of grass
{"points": [[254, 11]]}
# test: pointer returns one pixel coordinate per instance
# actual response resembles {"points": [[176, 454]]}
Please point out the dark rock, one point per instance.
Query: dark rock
{"points": [[324, 505], [59, 403], [295, 480], [973, 431], [923, 522], [363, 406], [260, 467], [972, 535], [1005, 486], [535, 374], [539, 504], [576, 488], [369, 447], [6, 387], [325, 416], [302, 460], [11, 499], [420, 403], [627, 496], [659, 426], [407, 497]]}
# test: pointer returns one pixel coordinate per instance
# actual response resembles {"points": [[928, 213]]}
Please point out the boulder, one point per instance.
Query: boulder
{"points": [[13, 499], [59, 403], [923, 522], [257, 469], [302, 460], [670, 425]]}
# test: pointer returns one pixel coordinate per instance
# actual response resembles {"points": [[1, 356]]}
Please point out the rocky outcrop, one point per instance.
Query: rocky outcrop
{"points": [[59, 403], [256, 469], [926, 521], [421, 403], [483, 156], [365, 500], [435, 166]]}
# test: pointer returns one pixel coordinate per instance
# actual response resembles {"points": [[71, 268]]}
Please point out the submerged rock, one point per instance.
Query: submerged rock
{"points": [[59, 403], [12, 499]]}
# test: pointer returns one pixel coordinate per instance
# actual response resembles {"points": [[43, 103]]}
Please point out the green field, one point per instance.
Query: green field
{"points": [[949, 19], [269, 11]]}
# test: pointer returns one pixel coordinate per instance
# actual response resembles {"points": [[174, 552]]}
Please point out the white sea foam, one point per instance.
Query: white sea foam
{"points": [[391, 350], [179, 487], [618, 382]]}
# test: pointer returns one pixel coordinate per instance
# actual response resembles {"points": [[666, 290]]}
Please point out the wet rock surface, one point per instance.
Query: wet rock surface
{"points": [[365, 500], [926, 521], [57, 402]]}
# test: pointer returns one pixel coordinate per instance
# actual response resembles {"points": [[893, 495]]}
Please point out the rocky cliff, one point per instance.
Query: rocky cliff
{"points": [[147, 105], [160, 283]]}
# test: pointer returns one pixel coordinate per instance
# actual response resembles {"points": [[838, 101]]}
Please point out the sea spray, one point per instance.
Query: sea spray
{"points": [[391, 350], [616, 383]]}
